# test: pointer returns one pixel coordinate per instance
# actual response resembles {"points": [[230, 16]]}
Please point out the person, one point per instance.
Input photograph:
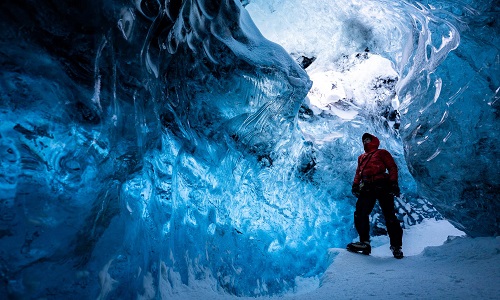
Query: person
{"points": [[376, 178]]}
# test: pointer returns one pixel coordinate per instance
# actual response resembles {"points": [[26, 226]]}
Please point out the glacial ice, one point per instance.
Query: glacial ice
{"points": [[147, 145]]}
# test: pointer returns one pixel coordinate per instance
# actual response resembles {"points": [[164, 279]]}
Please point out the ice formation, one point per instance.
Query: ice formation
{"points": [[147, 144]]}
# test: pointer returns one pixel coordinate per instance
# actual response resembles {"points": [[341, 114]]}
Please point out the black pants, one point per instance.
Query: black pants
{"points": [[364, 206]]}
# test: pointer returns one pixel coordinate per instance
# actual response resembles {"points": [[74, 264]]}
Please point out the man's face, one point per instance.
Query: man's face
{"points": [[366, 140]]}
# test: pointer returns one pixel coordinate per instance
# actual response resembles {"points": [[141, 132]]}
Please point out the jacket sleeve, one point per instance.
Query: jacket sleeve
{"points": [[390, 164], [357, 178]]}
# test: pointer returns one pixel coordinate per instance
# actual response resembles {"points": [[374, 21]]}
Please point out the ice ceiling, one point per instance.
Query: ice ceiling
{"points": [[147, 145]]}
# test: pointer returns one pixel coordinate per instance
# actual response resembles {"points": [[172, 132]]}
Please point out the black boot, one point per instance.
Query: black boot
{"points": [[360, 247], [397, 252]]}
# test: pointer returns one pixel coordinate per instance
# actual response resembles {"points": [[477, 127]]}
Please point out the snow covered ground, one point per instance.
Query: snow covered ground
{"points": [[440, 263]]}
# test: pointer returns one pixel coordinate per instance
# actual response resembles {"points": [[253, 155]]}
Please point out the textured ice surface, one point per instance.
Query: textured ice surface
{"points": [[146, 145], [446, 56]]}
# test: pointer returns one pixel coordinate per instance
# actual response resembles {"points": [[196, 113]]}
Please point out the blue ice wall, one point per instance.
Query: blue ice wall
{"points": [[150, 145], [451, 112]]}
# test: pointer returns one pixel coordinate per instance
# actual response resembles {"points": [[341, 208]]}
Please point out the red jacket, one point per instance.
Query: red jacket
{"points": [[372, 164]]}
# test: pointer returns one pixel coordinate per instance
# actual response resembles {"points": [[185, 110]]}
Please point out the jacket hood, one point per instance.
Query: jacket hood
{"points": [[373, 145]]}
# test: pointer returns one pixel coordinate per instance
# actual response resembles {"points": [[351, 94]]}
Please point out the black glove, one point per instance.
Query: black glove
{"points": [[355, 190], [395, 189]]}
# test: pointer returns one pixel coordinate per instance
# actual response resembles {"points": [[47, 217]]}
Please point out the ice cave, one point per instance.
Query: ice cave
{"points": [[147, 145]]}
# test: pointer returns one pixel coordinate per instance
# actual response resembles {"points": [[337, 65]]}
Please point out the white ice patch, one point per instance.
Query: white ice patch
{"points": [[345, 93], [327, 89], [107, 283], [415, 239]]}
